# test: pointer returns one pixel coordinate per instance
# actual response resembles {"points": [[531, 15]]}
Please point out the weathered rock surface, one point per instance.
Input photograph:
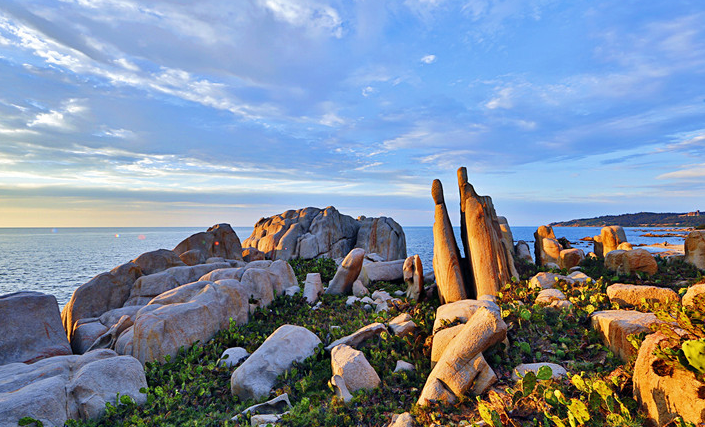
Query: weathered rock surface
{"points": [[616, 325], [354, 368], [571, 257], [695, 248], [632, 295], [341, 390], [68, 387], [462, 367], [359, 289], [313, 287], [31, 328], [553, 298], [382, 236], [460, 310], [665, 398], [218, 241], [252, 254], [548, 280], [413, 278], [610, 238], [402, 325], [104, 292], [358, 337], [255, 378], [347, 273], [446, 256], [402, 420], [542, 257], [193, 257], [628, 262], [521, 370], [523, 251], [693, 291], [404, 366], [232, 357], [388, 271], [156, 261], [189, 313], [277, 405]]}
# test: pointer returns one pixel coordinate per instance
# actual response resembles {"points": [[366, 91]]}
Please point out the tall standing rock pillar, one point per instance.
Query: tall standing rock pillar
{"points": [[446, 255], [483, 255]]}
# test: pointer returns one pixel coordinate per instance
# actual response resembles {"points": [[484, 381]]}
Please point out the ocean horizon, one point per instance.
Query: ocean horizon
{"points": [[58, 260]]}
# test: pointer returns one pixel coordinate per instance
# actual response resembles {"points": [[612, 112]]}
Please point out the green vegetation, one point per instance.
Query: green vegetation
{"points": [[193, 390], [641, 219]]}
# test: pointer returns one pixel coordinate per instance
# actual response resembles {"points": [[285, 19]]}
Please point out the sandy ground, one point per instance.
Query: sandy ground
{"points": [[667, 249]]}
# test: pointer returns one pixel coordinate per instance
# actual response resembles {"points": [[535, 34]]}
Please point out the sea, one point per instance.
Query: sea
{"points": [[58, 260]]}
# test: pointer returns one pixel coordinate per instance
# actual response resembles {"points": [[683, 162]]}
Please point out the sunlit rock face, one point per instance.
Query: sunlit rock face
{"points": [[325, 233]]}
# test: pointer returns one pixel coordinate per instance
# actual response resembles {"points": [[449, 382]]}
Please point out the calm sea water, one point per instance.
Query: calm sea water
{"points": [[57, 261]]}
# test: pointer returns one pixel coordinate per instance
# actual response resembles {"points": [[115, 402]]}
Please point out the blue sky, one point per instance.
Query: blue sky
{"points": [[132, 113]]}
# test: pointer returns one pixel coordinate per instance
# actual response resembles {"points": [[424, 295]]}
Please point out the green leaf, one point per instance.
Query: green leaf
{"points": [[544, 373], [579, 383], [525, 314], [528, 383], [25, 421], [602, 388], [556, 420]]}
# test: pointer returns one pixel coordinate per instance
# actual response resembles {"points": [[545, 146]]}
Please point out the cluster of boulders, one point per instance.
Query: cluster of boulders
{"points": [[325, 233], [551, 253]]}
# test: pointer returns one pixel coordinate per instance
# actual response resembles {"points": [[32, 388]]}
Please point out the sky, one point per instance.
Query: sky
{"points": [[179, 113]]}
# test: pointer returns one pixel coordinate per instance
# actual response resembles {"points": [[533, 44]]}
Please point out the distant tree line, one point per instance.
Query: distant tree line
{"points": [[641, 219]]}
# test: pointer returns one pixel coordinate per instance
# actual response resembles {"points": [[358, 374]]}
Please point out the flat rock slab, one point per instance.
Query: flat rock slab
{"points": [[616, 325], [632, 295], [255, 378], [31, 328], [59, 388], [548, 280], [358, 337], [461, 310]]}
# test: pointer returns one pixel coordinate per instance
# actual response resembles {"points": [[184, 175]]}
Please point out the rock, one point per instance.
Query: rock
{"points": [[305, 233], [441, 340], [215, 260], [462, 367], [551, 253], [543, 232], [632, 295], [291, 291], [695, 248], [693, 291], [666, 397], [553, 298], [382, 236], [347, 273], [104, 292], [354, 368], [351, 300], [388, 271], [610, 237], [381, 306], [189, 313], [552, 266], [31, 328], [58, 388], [255, 378], [548, 280], [461, 310], [402, 420], [371, 256], [252, 254], [341, 390], [487, 278], [277, 405], [571, 258], [109, 338], [402, 325], [313, 288], [218, 241], [628, 262], [381, 295], [414, 278], [265, 419], [446, 256], [521, 370], [193, 257], [358, 337], [284, 276], [615, 325], [359, 289], [233, 356], [404, 366], [223, 274], [258, 286], [148, 287], [523, 251], [156, 261], [625, 246], [579, 277]]}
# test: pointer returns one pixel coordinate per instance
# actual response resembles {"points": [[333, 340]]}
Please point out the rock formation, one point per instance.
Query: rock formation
{"points": [[218, 241], [413, 278], [347, 273], [325, 233], [446, 256], [695, 248]]}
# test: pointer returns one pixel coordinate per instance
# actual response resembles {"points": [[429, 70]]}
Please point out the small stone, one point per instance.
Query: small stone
{"points": [[382, 295], [402, 420], [402, 325], [351, 300], [404, 366], [265, 419], [359, 289], [359, 336], [233, 356], [291, 291], [274, 406], [367, 300], [399, 293], [367, 307], [341, 390], [382, 306]]}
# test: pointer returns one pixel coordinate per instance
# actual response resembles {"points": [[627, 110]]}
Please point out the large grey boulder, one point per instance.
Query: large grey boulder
{"points": [[313, 287], [388, 271], [182, 316], [218, 241], [353, 367], [347, 273], [382, 236], [104, 292], [59, 388], [255, 378], [615, 326], [30, 328], [156, 261]]}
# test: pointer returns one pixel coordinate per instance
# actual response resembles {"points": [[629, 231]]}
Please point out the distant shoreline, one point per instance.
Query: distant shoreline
{"points": [[641, 219]]}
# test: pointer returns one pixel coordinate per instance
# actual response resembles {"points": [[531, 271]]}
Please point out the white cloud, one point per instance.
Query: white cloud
{"points": [[369, 90], [61, 119], [306, 13], [428, 59], [502, 99], [694, 172]]}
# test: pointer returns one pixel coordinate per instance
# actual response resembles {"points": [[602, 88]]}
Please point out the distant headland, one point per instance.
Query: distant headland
{"points": [[641, 219]]}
